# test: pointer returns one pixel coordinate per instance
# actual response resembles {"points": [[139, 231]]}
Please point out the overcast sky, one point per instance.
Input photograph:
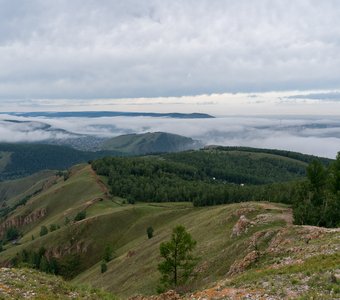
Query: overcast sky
{"points": [[89, 49]]}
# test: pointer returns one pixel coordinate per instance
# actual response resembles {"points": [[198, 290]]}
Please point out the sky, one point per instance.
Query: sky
{"points": [[110, 49], [268, 70]]}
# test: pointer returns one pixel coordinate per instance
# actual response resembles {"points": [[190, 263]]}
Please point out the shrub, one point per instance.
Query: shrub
{"points": [[12, 234], [108, 253], [103, 267], [53, 227], [43, 230], [80, 216], [149, 232]]}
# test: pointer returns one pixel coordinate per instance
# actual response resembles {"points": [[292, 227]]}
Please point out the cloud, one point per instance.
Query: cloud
{"points": [[97, 49], [327, 96], [312, 135], [14, 130]]}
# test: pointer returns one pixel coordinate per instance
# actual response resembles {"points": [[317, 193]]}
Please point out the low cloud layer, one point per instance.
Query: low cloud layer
{"points": [[312, 135], [97, 49]]}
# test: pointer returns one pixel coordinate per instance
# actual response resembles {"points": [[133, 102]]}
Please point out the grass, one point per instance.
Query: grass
{"points": [[5, 158], [14, 190], [27, 283], [134, 267]]}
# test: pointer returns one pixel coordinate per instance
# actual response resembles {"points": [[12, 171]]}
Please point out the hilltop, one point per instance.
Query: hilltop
{"points": [[151, 142]]}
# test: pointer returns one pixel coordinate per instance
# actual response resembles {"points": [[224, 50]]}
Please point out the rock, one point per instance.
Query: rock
{"points": [[169, 295], [240, 265], [23, 220], [241, 226]]}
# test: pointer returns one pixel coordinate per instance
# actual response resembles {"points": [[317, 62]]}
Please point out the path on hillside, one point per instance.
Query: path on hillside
{"points": [[286, 212], [100, 183]]}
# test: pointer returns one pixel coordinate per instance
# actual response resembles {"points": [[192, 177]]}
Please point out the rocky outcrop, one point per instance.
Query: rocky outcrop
{"points": [[241, 265], [241, 226], [169, 295], [60, 251], [20, 221]]}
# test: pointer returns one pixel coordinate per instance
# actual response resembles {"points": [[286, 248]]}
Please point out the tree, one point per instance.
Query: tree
{"points": [[103, 267], [317, 201], [12, 233], [43, 230], [178, 261], [53, 227], [80, 216], [108, 253], [44, 265], [149, 232]]}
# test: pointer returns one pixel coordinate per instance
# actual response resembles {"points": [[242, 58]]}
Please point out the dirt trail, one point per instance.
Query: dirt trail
{"points": [[286, 213], [100, 183]]}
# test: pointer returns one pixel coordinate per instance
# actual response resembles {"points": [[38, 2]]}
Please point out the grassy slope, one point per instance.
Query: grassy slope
{"points": [[16, 189], [134, 270], [148, 143], [5, 158], [24, 283]]}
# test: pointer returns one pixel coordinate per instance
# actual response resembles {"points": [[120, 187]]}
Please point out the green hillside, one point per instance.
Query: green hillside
{"points": [[14, 189], [151, 142], [30, 284], [86, 212], [78, 246], [20, 160], [204, 177]]}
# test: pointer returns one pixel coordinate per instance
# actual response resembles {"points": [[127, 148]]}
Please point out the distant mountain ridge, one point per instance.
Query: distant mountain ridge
{"points": [[151, 142], [22, 159], [98, 114]]}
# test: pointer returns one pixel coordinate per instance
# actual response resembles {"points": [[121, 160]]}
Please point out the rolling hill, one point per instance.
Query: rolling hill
{"points": [[151, 142], [227, 261], [14, 189], [241, 246], [20, 160]]}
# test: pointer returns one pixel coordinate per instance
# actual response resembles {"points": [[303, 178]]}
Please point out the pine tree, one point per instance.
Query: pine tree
{"points": [[178, 261]]}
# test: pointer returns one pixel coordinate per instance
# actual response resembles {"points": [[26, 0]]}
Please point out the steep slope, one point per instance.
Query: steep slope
{"points": [[151, 142], [239, 246], [227, 248], [30, 284], [63, 199], [15, 189], [20, 160]]}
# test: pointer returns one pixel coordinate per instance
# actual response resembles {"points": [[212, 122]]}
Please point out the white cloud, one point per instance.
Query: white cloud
{"points": [[312, 135], [89, 49]]}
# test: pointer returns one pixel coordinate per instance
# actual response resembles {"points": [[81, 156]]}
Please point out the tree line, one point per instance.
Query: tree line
{"points": [[317, 199], [154, 179]]}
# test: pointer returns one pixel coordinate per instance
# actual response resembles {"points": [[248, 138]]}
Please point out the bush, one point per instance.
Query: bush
{"points": [[12, 234], [103, 267], [149, 232], [80, 216], [43, 230], [53, 227], [108, 253]]}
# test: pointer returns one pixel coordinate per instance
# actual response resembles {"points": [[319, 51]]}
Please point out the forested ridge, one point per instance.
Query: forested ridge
{"points": [[221, 175], [26, 159], [205, 177]]}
